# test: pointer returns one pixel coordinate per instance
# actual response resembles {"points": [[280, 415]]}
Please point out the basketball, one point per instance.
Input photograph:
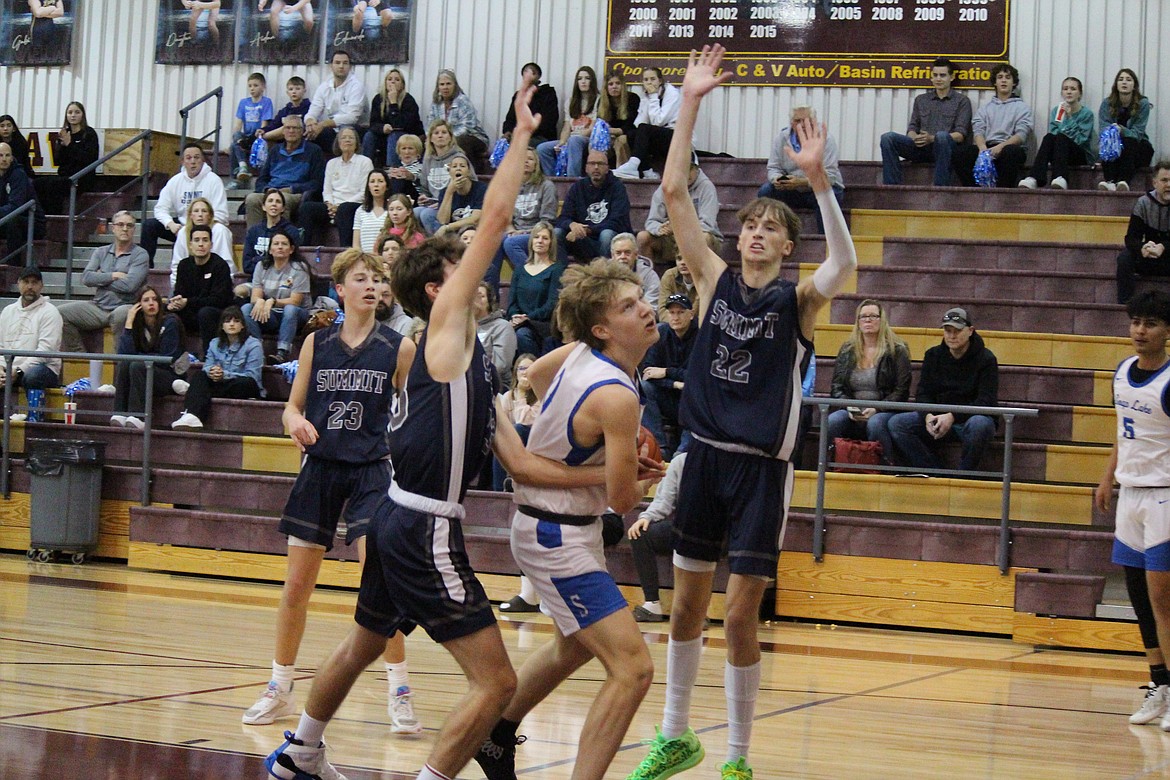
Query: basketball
{"points": [[648, 445]]}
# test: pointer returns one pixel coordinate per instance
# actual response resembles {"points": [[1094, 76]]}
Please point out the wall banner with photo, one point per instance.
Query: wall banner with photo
{"points": [[195, 32], [373, 32], [280, 32], [37, 32]]}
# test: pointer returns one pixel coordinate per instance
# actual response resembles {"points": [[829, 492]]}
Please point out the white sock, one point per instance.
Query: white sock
{"points": [[634, 162], [283, 676], [682, 669], [528, 591], [310, 730], [653, 606], [396, 677], [428, 773], [742, 684]]}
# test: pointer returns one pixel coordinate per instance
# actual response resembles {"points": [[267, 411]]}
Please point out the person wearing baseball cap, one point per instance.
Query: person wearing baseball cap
{"points": [[961, 371], [663, 371], [32, 323]]}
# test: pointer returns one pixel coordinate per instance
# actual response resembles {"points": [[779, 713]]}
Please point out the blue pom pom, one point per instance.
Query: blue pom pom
{"points": [[599, 138], [498, 152], [80, 384], [562, 168], [259, 154], [985, 169], [289, 370], [1110, 143]]}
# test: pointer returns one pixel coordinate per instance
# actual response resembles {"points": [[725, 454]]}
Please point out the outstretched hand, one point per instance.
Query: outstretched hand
{"points": [[526, 121], [811, 156], [703, 71]]}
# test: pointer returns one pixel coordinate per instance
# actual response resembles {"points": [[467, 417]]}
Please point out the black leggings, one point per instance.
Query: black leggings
{"points": [[1134, 154], [202, 390], [1139, 597], [656, 540], [650, 145], [1061, 153]]}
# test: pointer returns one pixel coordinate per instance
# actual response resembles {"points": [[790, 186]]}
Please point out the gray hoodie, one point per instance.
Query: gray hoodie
{"points": [[997, 120], [499, 340], [706, 201]]}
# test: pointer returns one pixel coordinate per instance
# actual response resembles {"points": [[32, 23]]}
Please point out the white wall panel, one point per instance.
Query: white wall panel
{"points": [[487, 41]]}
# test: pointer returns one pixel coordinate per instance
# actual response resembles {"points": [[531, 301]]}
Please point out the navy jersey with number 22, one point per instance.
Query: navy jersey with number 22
{"points": [[743, 380]]}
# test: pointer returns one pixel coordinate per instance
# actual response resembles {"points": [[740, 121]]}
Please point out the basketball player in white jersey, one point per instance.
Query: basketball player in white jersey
{"points": [[1140, 463], [589, 415]]}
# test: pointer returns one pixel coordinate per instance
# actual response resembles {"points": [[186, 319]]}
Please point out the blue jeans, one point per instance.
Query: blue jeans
{"points": [[529, 339], [578, 147], [284, 323], [802, 199], [499, 474], [515, 251], [896, 145], [239, 155], [876, 428], [428, 217], [584, 249], [38, 376], [661, 406], [916, 445], [372, 140]]}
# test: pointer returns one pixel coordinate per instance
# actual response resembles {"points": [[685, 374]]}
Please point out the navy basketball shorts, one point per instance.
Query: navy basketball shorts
{"points": [[733, 498], [327, 490], [417, 574]]}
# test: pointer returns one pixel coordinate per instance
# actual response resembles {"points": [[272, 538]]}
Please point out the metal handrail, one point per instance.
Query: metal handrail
{"points": [[1008, 413], [146, 137], [185, 111], [28, 241], [6, 436]]}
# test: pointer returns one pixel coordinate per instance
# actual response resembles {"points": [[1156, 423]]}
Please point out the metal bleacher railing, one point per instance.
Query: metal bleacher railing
{"points": [[145, 139], [28, 238], [185, 113], [9, 407], [1008, 413]]}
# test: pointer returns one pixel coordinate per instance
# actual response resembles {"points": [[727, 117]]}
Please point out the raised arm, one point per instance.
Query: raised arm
{"points": [[451, 332], [702, 77]]}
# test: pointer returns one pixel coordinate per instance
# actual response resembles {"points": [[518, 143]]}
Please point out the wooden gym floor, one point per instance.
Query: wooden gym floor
{"points": [[112, 673]]}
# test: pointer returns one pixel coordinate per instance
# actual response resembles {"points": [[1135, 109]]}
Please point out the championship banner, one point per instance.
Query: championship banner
{"points": [[373, 32], [812, 43], [280, 32], [37, 32], [195, 32]]}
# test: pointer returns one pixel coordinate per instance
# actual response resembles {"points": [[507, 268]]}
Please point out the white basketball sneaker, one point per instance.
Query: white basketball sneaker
{"points": [[274, 704]]}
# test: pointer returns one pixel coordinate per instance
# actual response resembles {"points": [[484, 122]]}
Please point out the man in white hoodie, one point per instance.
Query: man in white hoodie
{"points": [[32, 323], [195, 180]]}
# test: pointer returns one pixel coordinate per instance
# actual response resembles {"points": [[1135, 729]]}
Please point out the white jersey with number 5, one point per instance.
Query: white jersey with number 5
{"points": [[1143, 427]]}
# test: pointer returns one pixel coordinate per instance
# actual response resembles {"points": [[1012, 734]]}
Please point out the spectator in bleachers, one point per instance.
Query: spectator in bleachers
{"points": [[495, 332], [521, 406], [231, 370], [346, 176], [10, 134], [280, 286], [201, 213], [596, 209], [296, 105], [460, 203], [74, 148], [650, 536], [1147, 237], [678, 281], [370, 217], [544, 102], [451, 104], [400, 222], [872, 365], [195, 180], [31, 323], [1130, 111], [624, 249], [202, 287], [939, 121], [1068, 142], [580, 111], [298, 168], [536, 286], [619, 108], [1001, 126], [257, 238], [148, 331], [786, 182], [338, 102], [404, 178], [390, 311], [16, 189], [656, 240], [393, 113], [434, 178], [961, 371], [663, 372], [252, 113], [653, 128], [117, 273], [537, 202]]}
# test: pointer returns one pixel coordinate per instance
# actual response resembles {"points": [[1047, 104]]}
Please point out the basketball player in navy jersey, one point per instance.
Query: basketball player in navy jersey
{"points": [[417, 573], [337, 413], [742, 405], [1140, 463]]}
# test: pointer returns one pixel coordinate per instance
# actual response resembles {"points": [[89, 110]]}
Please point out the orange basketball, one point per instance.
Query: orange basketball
{"points": [[648, 445]]}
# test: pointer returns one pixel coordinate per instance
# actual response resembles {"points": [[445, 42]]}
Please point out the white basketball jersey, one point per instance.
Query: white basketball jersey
{"points": [[583, 371], [1143, 428]]}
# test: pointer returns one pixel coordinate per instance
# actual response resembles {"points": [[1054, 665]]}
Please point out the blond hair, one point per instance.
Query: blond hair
{"points": [[888, 341], [345, 261], [586, 293]]}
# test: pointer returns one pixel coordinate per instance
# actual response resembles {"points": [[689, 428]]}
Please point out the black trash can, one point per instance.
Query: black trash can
{"points": [[66, 477]]}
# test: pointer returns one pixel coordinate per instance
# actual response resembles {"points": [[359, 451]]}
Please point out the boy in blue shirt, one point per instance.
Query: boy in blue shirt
{"points": [[251, 114]]}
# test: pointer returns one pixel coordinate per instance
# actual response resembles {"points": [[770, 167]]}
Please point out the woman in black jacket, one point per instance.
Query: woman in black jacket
{"points": [[872, 365], [74, 148], [393, 113]]}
